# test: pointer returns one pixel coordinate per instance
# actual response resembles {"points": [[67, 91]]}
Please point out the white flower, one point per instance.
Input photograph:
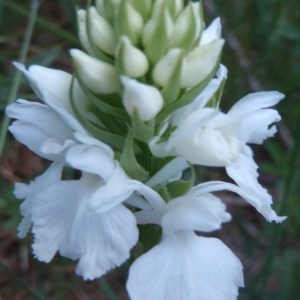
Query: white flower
{"points": [[193, 267], [206, 136], [82, 219]]}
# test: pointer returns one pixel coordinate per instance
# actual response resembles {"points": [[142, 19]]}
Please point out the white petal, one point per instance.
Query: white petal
{"points": [[150, 195], [88, 140], [189, 125], [52, 86], [105, 240], [195, 211], [35, 125], [186, 267], [62, 221], [115, 191], [253, 102], [21, 191], [244, 173], [45, 79], [212, 32], [254, 128], [91, 159], [169, 171], [203, 98]]}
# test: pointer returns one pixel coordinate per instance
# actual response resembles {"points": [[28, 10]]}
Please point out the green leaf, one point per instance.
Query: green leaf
{"points": [[142, 131], [181, 187], [128, 160], [105, 103], [187, 96], [99, 132]]}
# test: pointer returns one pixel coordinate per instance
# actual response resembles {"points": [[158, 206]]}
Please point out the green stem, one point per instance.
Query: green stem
{"points": [[17, 76]]}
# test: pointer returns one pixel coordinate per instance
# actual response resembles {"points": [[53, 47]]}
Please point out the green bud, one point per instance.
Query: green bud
{"points": [[98, 76], [143, 7], [157, 32], [108, 9], [101, 32], [164, 69], [99, 4], [199, 63], [82, 32], [128, 22], [175, 7], [131, 61], [140, 98], [187, 27]]}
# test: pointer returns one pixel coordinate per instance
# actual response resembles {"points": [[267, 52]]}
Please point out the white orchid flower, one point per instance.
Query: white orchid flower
{"points": [[194, 267], [82, 219], [206, 136]]}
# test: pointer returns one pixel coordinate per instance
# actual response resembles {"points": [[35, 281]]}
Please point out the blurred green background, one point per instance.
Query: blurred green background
{"points": [[262, 52]]}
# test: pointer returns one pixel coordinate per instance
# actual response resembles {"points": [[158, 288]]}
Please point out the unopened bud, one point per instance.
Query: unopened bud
{"points": [[175, 7], [82, 33], [131, 61], [187, 27], [200, 63], [157, 33], [141, 98], [102, 33], [100, 77], [129, 22], [143, 7], [164, 69]]}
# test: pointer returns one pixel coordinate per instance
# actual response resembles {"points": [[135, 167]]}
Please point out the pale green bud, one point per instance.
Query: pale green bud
{"points": [[175, 7], [82, 33], [164, 69], [187, 27], [99, 4], [98, 76], [143, 7], [107, 9], [157, 32], [131, 61], [128, 22], [141, 98], [199, 63], [101, 32]]}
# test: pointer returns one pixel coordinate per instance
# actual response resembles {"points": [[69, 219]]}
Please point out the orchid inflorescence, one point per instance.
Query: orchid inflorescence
{"points": [[141, 110]]}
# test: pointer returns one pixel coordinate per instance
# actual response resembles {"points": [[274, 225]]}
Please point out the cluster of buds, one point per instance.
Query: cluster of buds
{"points": [[147, 52]]}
